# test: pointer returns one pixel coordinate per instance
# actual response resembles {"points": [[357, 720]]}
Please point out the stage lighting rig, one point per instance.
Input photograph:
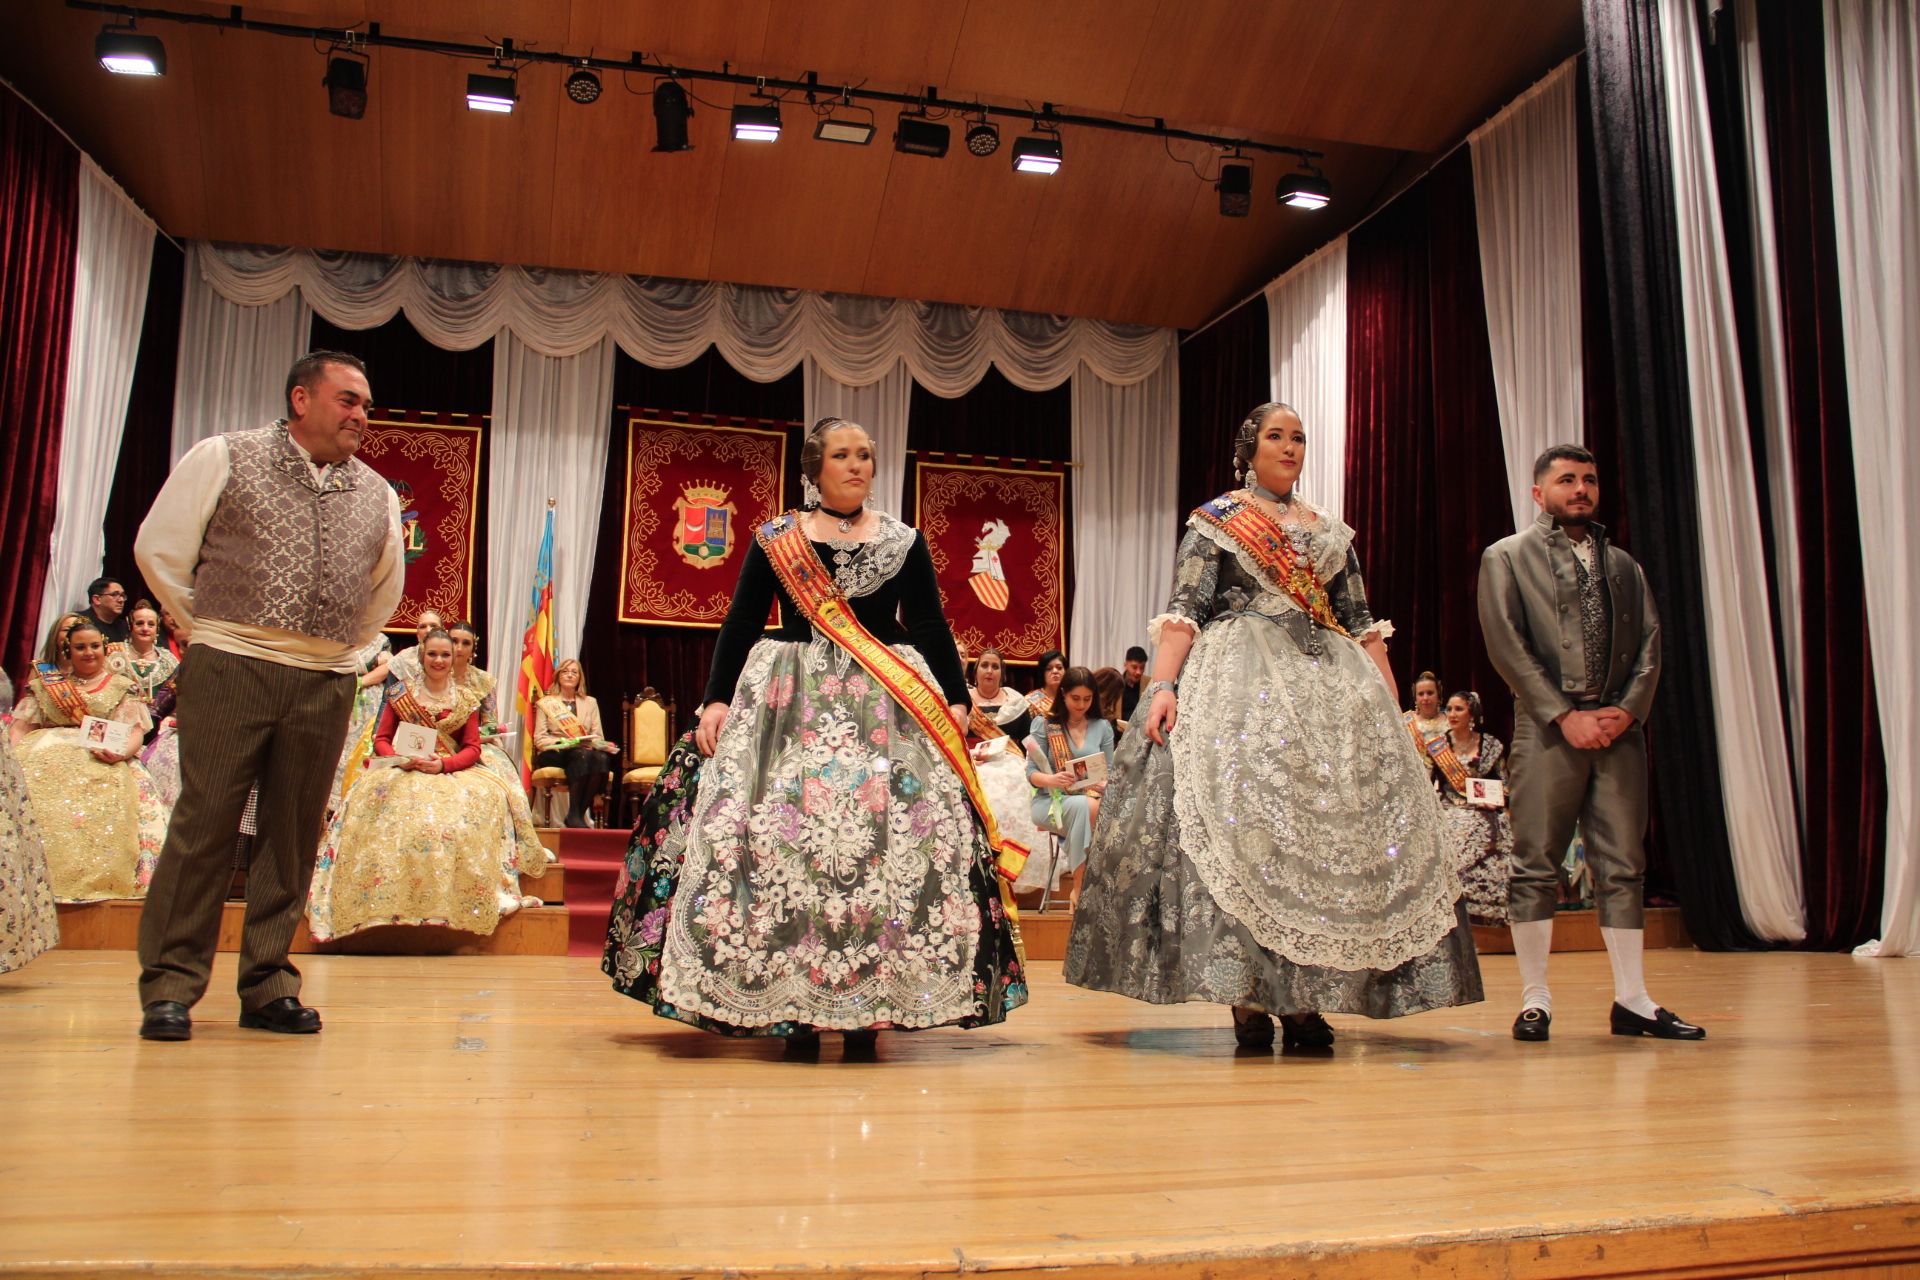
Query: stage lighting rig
{"points": [[126, 52], [671, 111]]}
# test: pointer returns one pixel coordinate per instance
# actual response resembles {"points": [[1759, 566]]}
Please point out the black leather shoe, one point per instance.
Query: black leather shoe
{"points": [[1252, 1029], [1663, 1025], [1533, 1024], [286, 1015], [1305, 1031], [166, 1020]]}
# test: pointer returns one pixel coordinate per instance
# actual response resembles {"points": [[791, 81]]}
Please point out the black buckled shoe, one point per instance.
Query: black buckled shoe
{"points": [[1663, 1025], [1534, 1024], [166, 1020], [1252, 1029], [286, 1015], [1305, 1031]]}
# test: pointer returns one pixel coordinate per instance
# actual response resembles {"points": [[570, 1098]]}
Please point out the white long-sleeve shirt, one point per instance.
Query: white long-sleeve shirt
{"points": [[168, 553]]}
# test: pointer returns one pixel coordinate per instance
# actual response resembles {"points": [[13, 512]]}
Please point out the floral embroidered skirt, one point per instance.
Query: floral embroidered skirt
{"points": [[102, 824], [1285, 852], [28, 924], [823, 870], [425, 848]]}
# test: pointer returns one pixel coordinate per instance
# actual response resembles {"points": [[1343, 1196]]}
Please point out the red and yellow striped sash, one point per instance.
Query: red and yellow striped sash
{"points": [[1273, 551]]}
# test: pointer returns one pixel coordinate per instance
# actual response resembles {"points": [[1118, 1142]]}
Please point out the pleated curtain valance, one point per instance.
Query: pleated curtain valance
{"points": [[764, 333]]}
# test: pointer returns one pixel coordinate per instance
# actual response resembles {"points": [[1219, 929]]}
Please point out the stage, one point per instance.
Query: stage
{"points": [[510, 1115]]}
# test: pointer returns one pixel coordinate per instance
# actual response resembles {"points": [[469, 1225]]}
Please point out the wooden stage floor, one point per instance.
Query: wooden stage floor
{"points": [[505, 1115]]}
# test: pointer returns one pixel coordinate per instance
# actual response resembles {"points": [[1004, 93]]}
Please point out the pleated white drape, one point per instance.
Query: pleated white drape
{"points": [[1781, 489], [114, 250], [881, 407], [234, 356], [1526, 192], [1873, 121], [1126, 440], [548, 437], [1307, 355], [1755, 776]]}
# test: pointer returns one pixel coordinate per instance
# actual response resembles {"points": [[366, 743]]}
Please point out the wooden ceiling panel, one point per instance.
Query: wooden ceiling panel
{"points": [[317, 175], [800, 212], [688, 34], [144, 133], [1077, 54], [844, 40], [1235, 67]]}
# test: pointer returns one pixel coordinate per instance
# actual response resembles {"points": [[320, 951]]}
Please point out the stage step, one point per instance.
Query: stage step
{"points": [[594, 860]]}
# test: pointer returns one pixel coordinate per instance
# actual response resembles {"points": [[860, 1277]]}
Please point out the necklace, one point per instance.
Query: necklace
{"points": [[846, 518], [1280, 500]]}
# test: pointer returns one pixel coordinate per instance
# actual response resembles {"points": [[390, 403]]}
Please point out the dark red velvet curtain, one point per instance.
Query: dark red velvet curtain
{"points": [[1845, 779], [1426, 472], [406, 372], [624, 657], [1225, 370], [39, 225], [146, 447]]}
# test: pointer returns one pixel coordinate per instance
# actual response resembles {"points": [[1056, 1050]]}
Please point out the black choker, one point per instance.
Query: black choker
{"points": [[1259, 490], [846, 518]]}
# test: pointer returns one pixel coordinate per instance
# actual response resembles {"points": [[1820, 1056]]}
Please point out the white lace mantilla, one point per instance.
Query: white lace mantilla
{"points": [[869, 563]]}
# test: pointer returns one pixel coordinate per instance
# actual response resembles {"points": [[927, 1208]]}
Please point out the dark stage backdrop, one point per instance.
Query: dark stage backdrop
{"points": [[1224, 372], [1426, 470], [39, 230], [1845, 779], [1656, 461]]}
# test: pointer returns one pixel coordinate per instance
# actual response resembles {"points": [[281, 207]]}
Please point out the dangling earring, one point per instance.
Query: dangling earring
{"points": [[1239, 473], [809, 492]]}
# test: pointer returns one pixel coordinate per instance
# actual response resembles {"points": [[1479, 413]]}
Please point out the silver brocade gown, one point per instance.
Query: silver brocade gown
{"points": [[1286, 851]]}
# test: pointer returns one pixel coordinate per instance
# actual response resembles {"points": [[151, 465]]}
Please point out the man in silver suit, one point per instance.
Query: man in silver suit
{"points": [[1570, 624]]}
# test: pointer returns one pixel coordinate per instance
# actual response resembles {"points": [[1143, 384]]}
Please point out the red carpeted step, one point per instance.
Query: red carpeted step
{"points": [[594, 860]]}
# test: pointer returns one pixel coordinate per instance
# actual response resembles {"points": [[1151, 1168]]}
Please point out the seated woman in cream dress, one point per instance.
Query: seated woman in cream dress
{"points": [[99, 817], [482, 683], [427, 839], [28, 925], [996, 736], [567, 734]]}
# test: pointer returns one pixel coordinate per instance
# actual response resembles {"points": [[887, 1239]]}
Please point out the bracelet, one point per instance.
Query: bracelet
{"points": [[1169, 685]]}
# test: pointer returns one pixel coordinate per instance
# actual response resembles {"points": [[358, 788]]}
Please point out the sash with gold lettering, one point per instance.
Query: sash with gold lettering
{"points": [[62, 693], [986, 728], [562, 719], [1441, 749], [819, 599], [1262, 538]]}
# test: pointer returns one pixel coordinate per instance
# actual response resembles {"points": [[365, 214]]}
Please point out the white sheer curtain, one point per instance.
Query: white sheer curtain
{"points": [[1126, 440], [1873, 121], [881, 407], [764, 333], [113, 253], [548, 437], [1526, 193], [1781, 489], [1755, 777], [234, 356], [1307, 349]]}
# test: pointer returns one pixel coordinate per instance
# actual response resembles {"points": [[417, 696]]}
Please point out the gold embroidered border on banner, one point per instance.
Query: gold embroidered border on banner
{"points": [[455, 450], [936, 487]]}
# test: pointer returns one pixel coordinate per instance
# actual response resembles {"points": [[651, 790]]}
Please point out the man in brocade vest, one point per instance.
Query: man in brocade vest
{"points": [[1570, 624], [280, 552]]}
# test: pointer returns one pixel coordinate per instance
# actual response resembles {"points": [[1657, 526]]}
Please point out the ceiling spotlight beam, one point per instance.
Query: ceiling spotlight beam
{"points": [[234, 20]]}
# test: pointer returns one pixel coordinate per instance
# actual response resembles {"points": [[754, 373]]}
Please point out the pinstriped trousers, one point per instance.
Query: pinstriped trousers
{"points": [[242, 721]]}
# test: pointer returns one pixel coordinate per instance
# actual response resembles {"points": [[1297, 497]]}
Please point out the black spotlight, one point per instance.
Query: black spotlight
{"points": [[919, 136], [346, 82], [1307, 188], [126, 52], [583, 86], [1236, 189], [983, 139], [670, 114]]}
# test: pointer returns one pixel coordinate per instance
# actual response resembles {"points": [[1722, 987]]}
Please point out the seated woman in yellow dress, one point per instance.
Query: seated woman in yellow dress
{"points": [[426, 838], [466, 643], [99, 817]]}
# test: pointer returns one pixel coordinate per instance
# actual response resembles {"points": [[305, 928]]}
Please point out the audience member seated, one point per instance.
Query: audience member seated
{"points": [[1109, 690], [567, 735], [1052, 667], [1134, 673], [995, 732], [466, 643], [28, 924], [1425, 722], [1067, 802], [426, 839], [405, 665], [173, 635], [1479, 834], [100, 818], [53, 650], [144, 661], [107, 609]]}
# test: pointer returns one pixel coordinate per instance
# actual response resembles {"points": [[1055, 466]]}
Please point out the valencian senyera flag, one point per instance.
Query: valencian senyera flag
{"points": [[536, 650]]}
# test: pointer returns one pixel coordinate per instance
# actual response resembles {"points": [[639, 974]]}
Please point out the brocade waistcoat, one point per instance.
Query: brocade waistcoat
{"points": [[282, 550]]}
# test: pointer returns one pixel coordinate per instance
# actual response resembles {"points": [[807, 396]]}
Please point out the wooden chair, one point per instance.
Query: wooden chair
{"points": [[649, 722], [549, 786]]}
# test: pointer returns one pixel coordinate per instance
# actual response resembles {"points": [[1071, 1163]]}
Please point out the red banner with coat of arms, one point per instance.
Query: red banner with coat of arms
{"points": [[997, 538], [695, 494], [433, 465]]}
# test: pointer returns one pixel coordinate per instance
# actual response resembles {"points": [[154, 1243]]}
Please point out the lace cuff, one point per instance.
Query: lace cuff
{"points": [[1381, 627], [1161, 620]]}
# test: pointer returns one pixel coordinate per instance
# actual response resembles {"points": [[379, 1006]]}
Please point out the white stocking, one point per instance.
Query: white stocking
{"points": [[1532, 940], [1626, 949]]}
